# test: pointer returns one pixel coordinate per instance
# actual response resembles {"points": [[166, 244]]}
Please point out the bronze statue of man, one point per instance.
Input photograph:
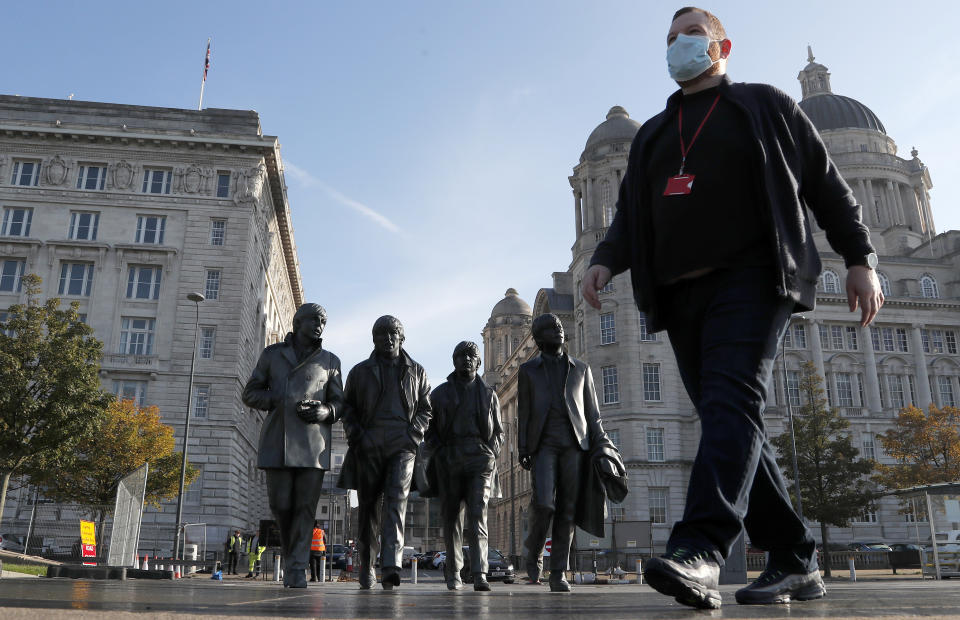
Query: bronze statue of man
{"points": [[558, 422], [464, 440], [299, 383], [386, 413]]}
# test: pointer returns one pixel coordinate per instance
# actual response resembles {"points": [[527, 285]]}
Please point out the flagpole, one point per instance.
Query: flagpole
{"points": [[203, 82]]}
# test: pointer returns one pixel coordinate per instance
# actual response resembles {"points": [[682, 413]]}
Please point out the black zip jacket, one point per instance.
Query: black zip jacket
{"points": [[795, 174]]}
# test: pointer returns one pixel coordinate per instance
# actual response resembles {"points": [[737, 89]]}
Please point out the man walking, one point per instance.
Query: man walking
{"points": [[386, 413], [298, 382], [712, 223], [464, 437], [318, 551]]}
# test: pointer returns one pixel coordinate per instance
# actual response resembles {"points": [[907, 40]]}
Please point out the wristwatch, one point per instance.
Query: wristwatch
{"points": [[869, 260]]}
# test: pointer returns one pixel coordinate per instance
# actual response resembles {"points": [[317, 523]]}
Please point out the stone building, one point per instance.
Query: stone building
{"points": [[908, 356], [127, 209]]}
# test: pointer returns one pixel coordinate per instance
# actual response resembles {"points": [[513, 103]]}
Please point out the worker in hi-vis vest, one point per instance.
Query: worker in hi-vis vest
{"points": [[255, 549], [234, 543], [318, 549]]}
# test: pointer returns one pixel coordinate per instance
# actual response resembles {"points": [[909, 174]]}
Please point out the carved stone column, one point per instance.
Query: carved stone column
{"points": [[871, 379], [585, 205], [817, 350], [920, 361], [577, 205]]}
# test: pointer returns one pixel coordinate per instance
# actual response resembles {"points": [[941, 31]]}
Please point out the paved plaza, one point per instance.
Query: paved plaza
{"points": [[201, 597]]}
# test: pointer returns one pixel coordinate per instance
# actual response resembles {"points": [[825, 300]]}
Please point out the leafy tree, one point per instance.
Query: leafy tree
{"points": [[50, 395], [926, 447], [126, 437], [832, 478]]}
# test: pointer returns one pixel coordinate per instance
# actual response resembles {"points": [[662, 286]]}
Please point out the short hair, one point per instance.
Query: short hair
{"points": [[310, 310], [387, 322], [542, 322], [467, 347], [712, 20]]}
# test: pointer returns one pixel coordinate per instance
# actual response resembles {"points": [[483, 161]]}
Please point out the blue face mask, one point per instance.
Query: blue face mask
{"points": [[687, 57]]}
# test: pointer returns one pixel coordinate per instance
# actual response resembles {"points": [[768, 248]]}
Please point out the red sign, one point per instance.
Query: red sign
{"points": [[88, 551], [547, 546]]}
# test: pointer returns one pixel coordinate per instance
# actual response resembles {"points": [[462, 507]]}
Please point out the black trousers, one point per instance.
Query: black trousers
{"points": [[467, 480], [293, 494], [556, 486], [316, 559], [232, 561], [725, 328], [386, 476]]}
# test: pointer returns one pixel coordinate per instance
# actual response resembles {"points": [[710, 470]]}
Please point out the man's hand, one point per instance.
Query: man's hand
{"points": [[863, 289], [313, 411], [526, 462], [595, 279]]}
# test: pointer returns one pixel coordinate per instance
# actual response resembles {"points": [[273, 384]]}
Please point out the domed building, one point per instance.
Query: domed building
{"points": [[910, 354], [508, 324]]}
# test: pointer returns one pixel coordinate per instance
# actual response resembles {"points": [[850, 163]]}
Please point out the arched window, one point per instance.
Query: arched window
{"points": [[928, 287], [829, 282], [884, 283]]}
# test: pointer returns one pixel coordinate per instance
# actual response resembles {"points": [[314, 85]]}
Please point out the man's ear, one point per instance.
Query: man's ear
{"points": [[725, 46]]}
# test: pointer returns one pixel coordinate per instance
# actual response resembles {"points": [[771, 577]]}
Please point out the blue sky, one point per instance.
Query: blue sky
{"points": [[428, 144]]}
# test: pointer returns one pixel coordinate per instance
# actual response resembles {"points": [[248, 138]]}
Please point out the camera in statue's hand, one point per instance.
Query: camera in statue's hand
{"points": [[313, 411], [526, 462]]}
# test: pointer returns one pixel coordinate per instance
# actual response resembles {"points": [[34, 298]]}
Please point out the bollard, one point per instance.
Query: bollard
{"points": [[853, 569], [413, 570], [639, 571], [323, 570], [276, 568]]}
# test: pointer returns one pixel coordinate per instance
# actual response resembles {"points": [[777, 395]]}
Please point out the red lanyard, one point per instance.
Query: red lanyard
{"points": [[684, 149]]}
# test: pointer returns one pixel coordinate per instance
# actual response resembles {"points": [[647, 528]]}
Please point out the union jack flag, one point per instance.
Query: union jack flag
{"points": [[206, 63]]}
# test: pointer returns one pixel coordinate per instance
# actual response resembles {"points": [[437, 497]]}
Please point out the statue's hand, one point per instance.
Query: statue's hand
{"points": [[313, 411], [526, 462]]}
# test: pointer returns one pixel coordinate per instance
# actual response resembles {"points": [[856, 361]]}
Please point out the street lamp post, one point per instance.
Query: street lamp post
{"points": [[196, 298]]}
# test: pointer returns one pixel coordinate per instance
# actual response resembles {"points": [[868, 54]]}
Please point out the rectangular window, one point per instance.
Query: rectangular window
{"points": [[844, 389], [223, 185], [903, 345], [611, 385], [657, 500], [911, 383], [25, 172], [84, 225], [156, 181], [609, 288], [829, 384], [793, 387], [836, 337], [868, 516], [852, 335], [201, 401], [645, 336], [91, 177], [883, 396], [788, 338], [614, 435], [800, 336], [131, 390], [887, 338], [136, 336], [16, 222], [951, 338], [608, 328], [824, 332], [869, 450], [915, 512], [76, 279], [143, 283], [875, 339], [651, 382], [895, 388], [206, 342], [945, 386], [860, 389], [211, 288], [925, 339], [150, 229], [11, 278], [218, 231], [936, 341], [655, 445]]}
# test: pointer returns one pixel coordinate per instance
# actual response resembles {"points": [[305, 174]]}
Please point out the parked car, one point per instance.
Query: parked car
{"points": [[425, 560], [440, 560], [499, 566], [869, 546], [904, 555], [406, 558], [10, 543], [338, 556]]}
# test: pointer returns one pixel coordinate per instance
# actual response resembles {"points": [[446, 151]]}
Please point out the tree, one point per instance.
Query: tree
{"points": [[126, 437], [50, 395], [832, 479], [926, 447]]}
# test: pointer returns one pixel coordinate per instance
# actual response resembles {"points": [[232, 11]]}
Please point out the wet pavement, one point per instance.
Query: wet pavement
{"points": [[52, 598]]}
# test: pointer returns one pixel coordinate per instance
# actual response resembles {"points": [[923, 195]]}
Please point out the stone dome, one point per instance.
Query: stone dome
{"points": [[618, 127], [830, 111], [511, 304]]}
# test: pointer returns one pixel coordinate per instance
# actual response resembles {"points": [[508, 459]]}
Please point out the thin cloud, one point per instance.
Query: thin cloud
{"points": [[308, 180]]}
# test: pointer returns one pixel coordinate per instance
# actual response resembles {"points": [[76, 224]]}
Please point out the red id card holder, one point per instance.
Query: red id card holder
{"points": [[680, 185]]}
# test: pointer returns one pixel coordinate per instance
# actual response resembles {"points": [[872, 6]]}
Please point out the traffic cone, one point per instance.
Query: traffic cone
{"points": [[146, 564], [349, 562]]}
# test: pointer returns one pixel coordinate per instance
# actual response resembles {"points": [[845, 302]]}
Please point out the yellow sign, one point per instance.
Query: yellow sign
{"points": [[88, 535]]}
